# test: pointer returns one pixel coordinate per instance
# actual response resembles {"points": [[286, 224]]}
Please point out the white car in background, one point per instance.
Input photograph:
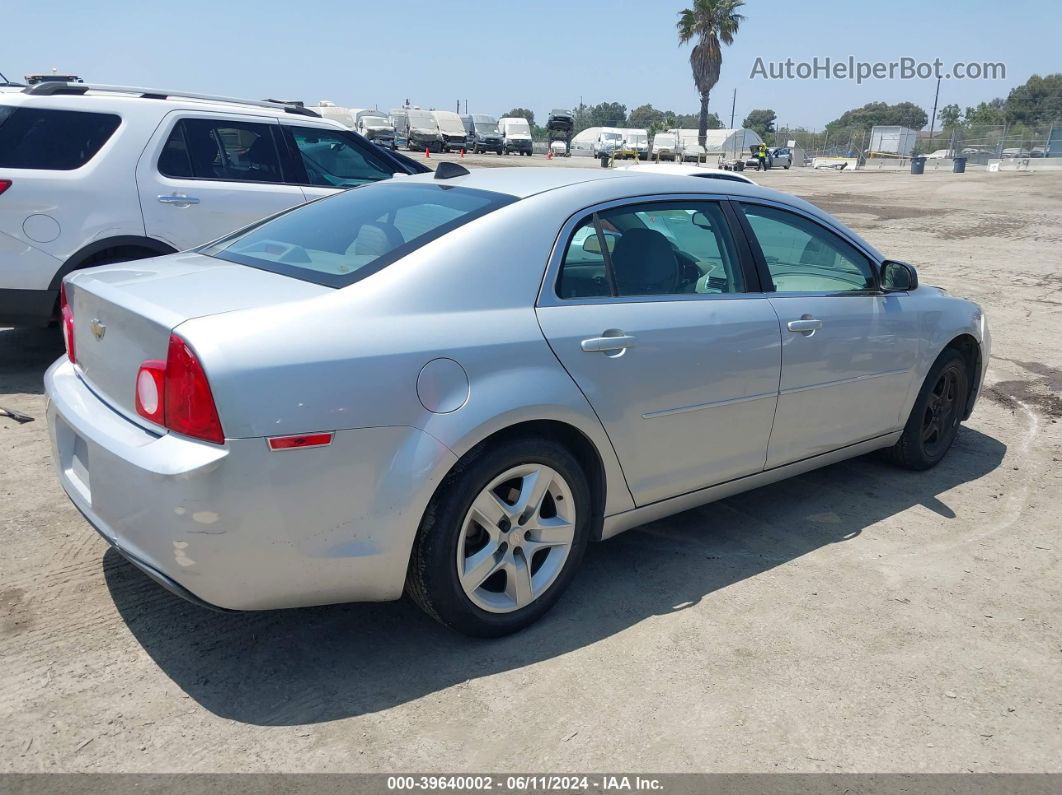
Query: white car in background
{"points": [[97, 174], [687, 170]]}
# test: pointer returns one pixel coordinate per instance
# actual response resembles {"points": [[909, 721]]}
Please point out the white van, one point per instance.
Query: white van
{"points": [[636, 140], [666, 146], [452, 130], [374, 125], [330, 110], [516, 135], [422, 131]]}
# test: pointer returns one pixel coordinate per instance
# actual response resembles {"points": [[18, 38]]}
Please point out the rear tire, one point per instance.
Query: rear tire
{"points": [[936, 415], [474, 524]]}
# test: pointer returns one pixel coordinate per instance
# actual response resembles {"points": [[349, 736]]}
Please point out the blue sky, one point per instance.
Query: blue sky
{"points": [[505, 53]]}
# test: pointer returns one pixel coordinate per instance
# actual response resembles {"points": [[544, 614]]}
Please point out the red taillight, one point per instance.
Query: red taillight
{"points": [[66, 315], [176, 394], [4, 184]]}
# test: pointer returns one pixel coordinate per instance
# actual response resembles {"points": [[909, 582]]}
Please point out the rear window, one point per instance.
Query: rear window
{"points": [[52, 140], [344, 238]]}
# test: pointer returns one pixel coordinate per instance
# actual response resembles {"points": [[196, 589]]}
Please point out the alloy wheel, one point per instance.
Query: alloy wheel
{"points": [[515, 538], [940, 412]]}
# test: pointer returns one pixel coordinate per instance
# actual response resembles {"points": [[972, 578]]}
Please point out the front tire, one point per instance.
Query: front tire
{"points": [[937, 412], [502, 538]]}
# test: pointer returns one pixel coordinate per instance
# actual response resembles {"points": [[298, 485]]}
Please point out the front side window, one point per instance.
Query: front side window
{"points": [[333, 159], [803, 257], [666, 248], [52, 140], [344, 238], [233, 151]]}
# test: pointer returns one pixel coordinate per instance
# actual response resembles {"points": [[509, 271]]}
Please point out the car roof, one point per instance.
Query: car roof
{"points": [[524, 181], [679, 169], [607, 184]]}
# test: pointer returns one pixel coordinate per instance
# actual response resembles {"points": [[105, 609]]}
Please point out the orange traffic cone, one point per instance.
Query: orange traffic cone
{"points": [[462, 153], [427, 152], [549, 155]]}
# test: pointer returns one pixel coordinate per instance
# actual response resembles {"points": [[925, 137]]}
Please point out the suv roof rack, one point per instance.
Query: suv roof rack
{"points": [[51, 88]]}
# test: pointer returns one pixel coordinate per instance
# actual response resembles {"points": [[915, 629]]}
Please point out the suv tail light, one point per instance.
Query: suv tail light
{"points": [[66, 315], [176, 394], [4, 184]]}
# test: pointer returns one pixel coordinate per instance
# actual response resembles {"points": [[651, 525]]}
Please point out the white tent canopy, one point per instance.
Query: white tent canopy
{"points": [[722, 142]]}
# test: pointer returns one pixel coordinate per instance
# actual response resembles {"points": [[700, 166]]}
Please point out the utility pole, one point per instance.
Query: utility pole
{"points": [[733, 105], [933, 118]]}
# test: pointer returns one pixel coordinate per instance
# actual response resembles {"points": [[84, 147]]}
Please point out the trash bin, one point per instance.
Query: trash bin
{"points": [[918, 165], [958, 165]]}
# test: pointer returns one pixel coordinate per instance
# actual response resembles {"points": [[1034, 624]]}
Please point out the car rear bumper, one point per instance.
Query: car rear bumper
{"points": [[240, 527]]}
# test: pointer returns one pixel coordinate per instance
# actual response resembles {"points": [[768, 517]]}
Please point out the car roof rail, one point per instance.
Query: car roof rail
{"points": [[52, 88]]}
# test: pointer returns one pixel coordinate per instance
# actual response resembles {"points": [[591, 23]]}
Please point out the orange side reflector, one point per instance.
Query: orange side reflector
{"points": [[300, 441]]}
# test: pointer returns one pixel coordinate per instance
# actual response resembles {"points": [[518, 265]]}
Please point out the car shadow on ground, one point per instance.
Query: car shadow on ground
{"points": [[319, 664], [25, 353]]}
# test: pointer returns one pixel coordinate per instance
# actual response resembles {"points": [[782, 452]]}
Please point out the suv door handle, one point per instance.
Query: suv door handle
{"points": [[807, 325], [605, 344], [178, 200]]}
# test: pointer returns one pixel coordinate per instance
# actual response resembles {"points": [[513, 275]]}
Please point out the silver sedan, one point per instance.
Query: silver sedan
{"points": [[448, 385]]}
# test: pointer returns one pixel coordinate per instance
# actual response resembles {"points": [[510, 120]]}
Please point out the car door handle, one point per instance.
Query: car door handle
{"points": [[806, 325], [178, 200], [605, 344]]}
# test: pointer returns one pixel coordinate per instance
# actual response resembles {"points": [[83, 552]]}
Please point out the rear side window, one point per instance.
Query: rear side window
{"points": [[52, 140], [233, 151], [333, 158], [663, 248], [344, 238]]}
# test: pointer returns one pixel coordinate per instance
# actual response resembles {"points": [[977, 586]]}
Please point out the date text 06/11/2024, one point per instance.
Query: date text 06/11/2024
{"points": [[523, 783]]}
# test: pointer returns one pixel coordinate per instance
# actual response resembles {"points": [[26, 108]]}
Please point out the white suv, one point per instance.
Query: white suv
{"points": [[95, 174]]}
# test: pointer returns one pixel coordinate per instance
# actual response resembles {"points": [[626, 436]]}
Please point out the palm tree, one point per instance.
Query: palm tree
{"points": [[710, 22]]}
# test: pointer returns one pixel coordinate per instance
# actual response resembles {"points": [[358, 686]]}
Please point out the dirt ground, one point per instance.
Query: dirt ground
{"points": [[858, 618]]}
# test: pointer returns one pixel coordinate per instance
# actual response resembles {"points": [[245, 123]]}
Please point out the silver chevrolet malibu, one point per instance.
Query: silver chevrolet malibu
{"points": [[449, 384]]}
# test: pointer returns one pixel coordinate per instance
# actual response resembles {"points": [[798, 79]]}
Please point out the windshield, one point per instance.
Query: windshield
{"points": [[487, 127], [517, 127], [611, 136], [344, 238], [638, 138], [375, 121]]}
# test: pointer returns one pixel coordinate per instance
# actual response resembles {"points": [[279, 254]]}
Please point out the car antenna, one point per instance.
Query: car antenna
{"points": [[448, 170]]}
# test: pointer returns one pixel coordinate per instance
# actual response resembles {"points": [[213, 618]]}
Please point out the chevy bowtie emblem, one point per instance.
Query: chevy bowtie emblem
{"points": [[97, 328]]}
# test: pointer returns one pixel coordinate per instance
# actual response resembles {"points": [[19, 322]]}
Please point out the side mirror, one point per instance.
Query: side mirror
{"points": [[898, 276]]}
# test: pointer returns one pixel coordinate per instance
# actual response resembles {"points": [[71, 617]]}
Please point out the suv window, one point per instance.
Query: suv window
{"points": [[344, 238], [664, 248], [804, 257], [215, 149], [52, 140], [332, 158]]}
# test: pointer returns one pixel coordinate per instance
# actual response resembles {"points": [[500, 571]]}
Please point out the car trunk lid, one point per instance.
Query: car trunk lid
{"points": [[124, 313]]}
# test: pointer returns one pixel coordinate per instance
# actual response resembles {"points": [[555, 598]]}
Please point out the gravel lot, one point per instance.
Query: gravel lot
{"points": [[858, 618]]}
